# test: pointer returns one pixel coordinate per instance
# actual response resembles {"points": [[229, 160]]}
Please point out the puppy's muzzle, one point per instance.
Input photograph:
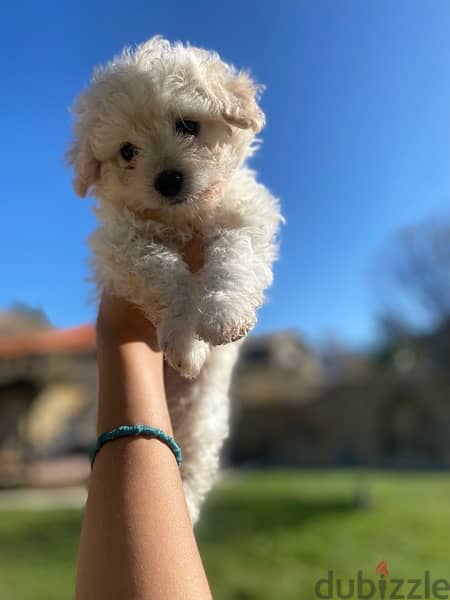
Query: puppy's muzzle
{"points": [[169, 183]]}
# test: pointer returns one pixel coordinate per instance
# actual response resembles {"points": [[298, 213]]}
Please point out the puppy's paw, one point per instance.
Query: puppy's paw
{"points": [[224, 332], [218, 327], [187, 359], [183, 352]]}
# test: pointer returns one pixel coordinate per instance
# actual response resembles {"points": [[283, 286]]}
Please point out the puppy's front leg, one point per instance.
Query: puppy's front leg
{"points": [[237, 270], [185, 352]]}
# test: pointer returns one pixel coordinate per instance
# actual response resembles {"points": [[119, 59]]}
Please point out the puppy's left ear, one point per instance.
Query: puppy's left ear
{"points": [[86, 166], [242, 109], [80, 154]]}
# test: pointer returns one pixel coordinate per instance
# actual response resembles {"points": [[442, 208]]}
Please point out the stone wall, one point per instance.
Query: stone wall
{"points": [[385, 421]]}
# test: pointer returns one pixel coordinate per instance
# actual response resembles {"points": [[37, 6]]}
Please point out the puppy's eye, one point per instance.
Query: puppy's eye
{"points": [[128, 151], [186, 127]]}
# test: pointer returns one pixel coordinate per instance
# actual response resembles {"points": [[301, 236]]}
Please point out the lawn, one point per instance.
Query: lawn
{"points": [[266, 536]]}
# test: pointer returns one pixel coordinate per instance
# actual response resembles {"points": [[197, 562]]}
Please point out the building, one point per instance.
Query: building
{"points": [[47, 398]]}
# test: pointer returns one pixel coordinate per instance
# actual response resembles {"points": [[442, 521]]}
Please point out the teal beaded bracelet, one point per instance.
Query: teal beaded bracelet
{"points": [[134, 431]]}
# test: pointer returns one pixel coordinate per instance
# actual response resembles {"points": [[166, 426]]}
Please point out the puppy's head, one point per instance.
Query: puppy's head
{"points": [[163, 126]]}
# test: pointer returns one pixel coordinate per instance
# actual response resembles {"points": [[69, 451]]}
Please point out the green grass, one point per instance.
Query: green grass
{"points": [[265, 536]]}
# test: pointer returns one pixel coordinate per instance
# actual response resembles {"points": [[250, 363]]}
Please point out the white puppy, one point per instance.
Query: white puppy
{"points": [[161, 139]]}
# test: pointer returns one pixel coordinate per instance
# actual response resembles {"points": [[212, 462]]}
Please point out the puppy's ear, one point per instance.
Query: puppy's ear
{"points": [[80, 154], [242, 110], [86, 166]]}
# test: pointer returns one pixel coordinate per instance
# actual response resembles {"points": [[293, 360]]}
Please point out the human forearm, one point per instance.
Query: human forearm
{"points": [[131, 389], [137, 540]]}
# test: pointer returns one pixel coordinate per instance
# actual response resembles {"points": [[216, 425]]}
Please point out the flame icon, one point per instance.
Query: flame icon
{"points": [[382, 568]]}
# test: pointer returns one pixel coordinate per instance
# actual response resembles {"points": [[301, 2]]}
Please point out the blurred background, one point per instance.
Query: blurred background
{"points": [[340, 444]]}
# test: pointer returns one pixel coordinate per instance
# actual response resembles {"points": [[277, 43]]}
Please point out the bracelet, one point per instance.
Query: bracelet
{"points": [[134, 431]]}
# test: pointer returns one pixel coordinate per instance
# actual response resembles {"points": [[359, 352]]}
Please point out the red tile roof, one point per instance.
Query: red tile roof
{"points": [[48, 341]]}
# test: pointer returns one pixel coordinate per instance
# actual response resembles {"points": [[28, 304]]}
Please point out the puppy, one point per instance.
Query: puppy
{"points": [[161, 139]]}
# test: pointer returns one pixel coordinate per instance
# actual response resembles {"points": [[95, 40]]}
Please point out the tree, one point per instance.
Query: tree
{"points": [[421, 265], [20, 318], [418, 270]]}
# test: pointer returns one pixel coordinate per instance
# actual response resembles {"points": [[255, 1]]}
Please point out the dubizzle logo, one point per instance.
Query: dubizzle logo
{"points": [[384, 587], [382, 568]]}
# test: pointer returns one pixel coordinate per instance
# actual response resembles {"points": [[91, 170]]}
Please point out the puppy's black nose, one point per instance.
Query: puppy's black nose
{"points": [[169, 183]]}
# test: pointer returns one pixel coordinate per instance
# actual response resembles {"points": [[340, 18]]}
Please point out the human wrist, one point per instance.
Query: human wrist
{"points": [[111, 417]]}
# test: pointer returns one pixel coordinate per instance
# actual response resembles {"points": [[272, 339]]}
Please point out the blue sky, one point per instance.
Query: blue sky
{"points": [[357, 143]]}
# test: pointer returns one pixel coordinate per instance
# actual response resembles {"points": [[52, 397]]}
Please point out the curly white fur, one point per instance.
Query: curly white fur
{"points": [[138, 249]]}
